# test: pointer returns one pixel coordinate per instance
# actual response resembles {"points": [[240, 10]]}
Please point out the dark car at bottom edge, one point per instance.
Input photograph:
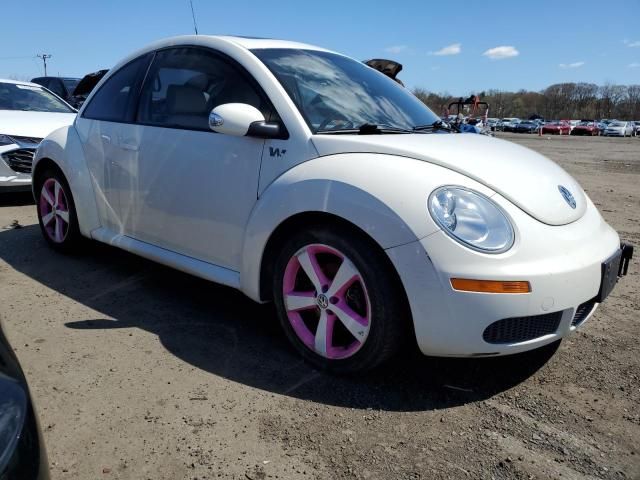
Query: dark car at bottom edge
{"points": [[22, 452]]}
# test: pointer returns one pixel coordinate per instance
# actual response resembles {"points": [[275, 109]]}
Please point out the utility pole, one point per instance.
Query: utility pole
{"points": [[44, 57], [193, 15]]}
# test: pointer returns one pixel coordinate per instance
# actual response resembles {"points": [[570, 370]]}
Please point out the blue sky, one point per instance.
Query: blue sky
{"points": [[457, 47]]}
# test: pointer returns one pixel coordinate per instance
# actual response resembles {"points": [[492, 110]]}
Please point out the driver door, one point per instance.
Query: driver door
{"points": [[191, 190]]}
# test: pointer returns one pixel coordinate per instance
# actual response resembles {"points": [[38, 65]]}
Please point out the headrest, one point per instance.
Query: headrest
{"points": [[185, 99]]}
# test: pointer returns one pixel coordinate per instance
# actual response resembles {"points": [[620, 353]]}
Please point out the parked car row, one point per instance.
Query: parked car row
{"points": [[611, 128]]}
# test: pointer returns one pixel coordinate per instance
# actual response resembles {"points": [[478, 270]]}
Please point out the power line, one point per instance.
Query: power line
{"points": [[193, 15], [17, 58], [44, 57]]}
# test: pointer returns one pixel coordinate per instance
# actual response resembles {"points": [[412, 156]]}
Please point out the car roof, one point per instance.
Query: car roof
{"points": [[248, 43], [19, 82], [255, 42]]}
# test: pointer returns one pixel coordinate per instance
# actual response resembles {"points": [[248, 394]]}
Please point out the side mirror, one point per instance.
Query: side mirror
{"points": [[240, 119]]}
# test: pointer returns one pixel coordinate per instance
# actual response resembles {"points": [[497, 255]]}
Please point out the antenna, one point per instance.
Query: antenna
{"points": [[193, 15], [44, 57]]}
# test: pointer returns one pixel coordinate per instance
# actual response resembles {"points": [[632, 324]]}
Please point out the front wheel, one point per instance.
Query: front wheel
{"points": [[338, 300], [56, 211]]}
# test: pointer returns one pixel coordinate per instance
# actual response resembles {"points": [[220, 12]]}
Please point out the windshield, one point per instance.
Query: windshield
{"points": [[30, 98], [335, 93], [617, 124]]}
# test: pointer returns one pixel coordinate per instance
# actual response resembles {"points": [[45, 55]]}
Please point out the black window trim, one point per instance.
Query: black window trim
{"points": [[142, 80], [137, 85]]}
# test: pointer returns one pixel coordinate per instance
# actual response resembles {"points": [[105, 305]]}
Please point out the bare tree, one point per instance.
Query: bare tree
{"points": [[562, 100]]}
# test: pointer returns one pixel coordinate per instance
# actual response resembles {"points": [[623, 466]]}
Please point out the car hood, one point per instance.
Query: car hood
{"points": [[33, 124], [526, 178], [388, 67]]}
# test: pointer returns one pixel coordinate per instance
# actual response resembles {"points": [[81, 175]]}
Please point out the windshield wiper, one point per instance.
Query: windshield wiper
{"points": [[437, 125], [370, 129]]}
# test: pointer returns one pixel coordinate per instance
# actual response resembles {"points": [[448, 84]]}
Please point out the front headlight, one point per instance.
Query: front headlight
{"points": [[6, 140], [13, 407], [472, 219]]}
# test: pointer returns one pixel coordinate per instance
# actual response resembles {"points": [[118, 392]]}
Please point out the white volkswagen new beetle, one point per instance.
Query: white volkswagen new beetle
{"points": [[299, 175]]}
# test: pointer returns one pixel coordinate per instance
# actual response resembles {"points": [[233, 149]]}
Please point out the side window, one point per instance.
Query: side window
{"points": [[184, 84], [115, 101]]}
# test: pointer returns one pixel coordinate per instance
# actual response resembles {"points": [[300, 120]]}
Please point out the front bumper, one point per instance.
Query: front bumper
{"points": [[562, 263], [13, 179]]}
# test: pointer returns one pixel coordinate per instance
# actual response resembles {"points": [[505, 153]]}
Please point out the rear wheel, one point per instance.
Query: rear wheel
{"points": [[338, 300], [56, 211]]}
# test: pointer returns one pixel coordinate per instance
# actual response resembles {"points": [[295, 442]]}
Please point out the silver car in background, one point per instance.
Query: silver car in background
{"points": [[619, 129]]}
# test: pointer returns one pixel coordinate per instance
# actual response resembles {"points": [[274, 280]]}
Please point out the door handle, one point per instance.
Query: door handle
{"points": [[128, 145], [105, 138]]}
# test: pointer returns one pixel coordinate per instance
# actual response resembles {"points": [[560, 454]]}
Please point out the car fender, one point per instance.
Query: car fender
{"points": [[383, 195], [64, 148]]}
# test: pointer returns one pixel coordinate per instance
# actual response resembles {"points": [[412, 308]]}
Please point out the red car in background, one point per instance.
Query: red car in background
{"points": [[586, 127], [556, 128]]}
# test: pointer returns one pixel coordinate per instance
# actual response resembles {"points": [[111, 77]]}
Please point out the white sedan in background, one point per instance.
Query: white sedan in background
{"points": [[301, 176], [28, 113], [619, 129]]}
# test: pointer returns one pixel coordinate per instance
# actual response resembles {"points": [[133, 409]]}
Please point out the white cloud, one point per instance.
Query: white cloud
{"points": [[502, 52], [396, 48], [629, 43], [453, 49], [571, 65], [634, 65]]}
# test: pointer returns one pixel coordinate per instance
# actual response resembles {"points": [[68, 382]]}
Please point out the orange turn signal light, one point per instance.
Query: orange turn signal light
{"points": [[490, 286]]}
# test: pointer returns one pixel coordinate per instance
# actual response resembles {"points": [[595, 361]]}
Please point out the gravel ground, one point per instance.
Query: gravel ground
{"points": [[141, 372]]}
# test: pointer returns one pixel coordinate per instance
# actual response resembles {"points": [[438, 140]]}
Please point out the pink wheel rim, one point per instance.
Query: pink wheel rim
{"points": [[327, 302], [54, 210]]}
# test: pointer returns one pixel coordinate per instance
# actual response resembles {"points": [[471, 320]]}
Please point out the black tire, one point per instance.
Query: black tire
{"points": [[72, 237], [389, 314]]}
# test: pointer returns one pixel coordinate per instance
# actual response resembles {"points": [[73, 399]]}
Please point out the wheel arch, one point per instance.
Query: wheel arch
{"points": [[62, 150], [291, 225], [290, 206]]}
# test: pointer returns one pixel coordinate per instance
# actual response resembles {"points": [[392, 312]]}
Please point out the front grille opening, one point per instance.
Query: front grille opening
{"points": [[23, 140], [582, 312], [521, 329], [20, 160]]}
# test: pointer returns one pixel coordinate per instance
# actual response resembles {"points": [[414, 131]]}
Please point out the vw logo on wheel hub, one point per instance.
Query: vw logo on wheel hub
{"points": [[568, 197], [322, 301]]}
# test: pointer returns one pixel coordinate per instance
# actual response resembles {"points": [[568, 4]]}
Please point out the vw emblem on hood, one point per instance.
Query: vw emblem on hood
{"points": [[568, 197]]}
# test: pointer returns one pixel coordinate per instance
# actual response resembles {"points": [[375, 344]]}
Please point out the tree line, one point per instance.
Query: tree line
{"points": [[561, 100]]}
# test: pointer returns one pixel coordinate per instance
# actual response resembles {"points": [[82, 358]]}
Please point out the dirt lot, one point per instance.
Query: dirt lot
{"points": [[141, 372]]}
